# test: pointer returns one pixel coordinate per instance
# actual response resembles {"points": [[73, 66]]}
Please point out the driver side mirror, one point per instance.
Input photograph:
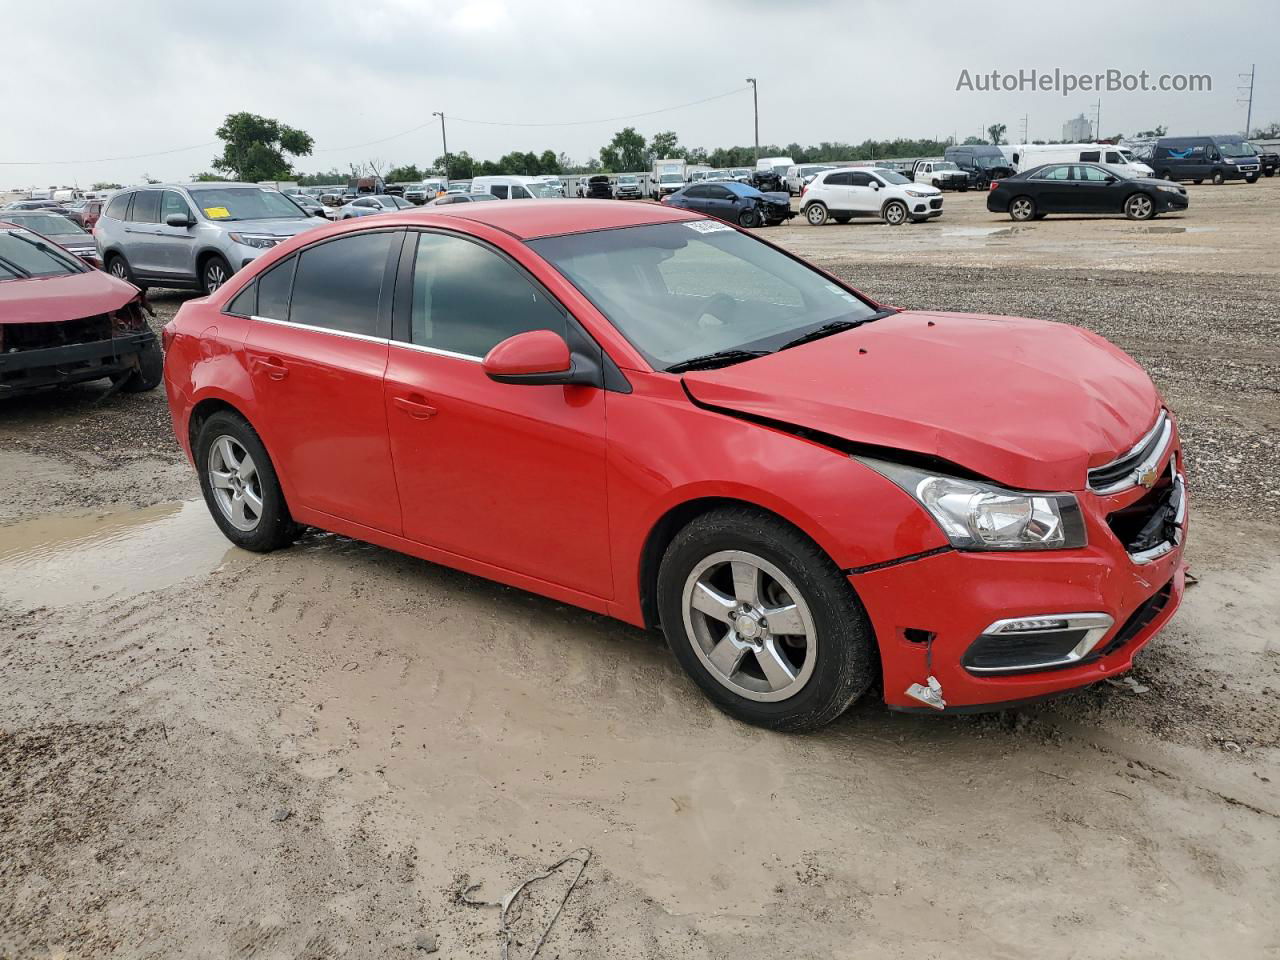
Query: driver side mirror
{"points": [[179, 220], [538, 358]]}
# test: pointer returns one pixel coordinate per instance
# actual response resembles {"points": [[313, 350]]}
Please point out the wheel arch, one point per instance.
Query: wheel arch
{"points": [[676, 518]]}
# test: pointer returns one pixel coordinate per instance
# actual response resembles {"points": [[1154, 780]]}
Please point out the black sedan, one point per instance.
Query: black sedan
{"points": [[736, 202], [1082, 188]]}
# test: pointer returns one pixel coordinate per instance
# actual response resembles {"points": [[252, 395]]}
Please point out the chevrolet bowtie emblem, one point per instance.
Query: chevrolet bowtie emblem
{"points": [[1147, 477]]}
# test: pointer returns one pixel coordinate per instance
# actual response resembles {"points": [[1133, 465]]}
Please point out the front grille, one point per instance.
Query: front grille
{"points": [[936, 203], [1140, 619], [16, 337], [1149, 520], [1123, 472]]}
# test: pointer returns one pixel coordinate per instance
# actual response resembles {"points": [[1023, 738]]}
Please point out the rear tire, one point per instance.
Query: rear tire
{"points": [[1022, 209], [796, 679], [149, 371], [119, 268], [262, 528]]}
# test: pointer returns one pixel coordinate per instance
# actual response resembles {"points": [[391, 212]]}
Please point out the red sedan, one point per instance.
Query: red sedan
{"points": [[656, 416]]}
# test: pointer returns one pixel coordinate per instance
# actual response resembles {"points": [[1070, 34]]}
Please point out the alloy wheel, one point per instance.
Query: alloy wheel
{"points": [[894, 214], [1140, 207], [234, 480], [215, 275], [750, 626], [118, 269], [1022, 209]]}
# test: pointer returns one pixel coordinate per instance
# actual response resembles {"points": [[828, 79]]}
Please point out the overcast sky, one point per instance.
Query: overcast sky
{"points": [[103, 80]]}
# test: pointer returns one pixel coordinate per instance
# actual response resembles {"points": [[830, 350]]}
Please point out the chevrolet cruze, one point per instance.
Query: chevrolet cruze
{"points": [[653, 415]]}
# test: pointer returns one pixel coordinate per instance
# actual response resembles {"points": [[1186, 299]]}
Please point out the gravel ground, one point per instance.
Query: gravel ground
{"points": [[315, 753]]}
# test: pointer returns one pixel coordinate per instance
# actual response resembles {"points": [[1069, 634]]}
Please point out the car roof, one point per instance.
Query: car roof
{"points": [[531, 219]]}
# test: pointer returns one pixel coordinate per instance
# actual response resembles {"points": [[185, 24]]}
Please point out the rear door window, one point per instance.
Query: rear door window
{"points": [[1091, 156], [499, 190], [146, 207], [841, 179], [118, 208], [338, 284]]}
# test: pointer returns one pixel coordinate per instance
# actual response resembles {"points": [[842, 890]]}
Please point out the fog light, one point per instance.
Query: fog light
{"points": [[1044, 642]]}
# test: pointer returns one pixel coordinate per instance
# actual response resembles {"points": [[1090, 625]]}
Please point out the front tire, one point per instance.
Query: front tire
{"points": [[1218, 178], [763, 621], [816, 214], [1022, 209], [1139, 206], [119, 268], [215, 272], [1253, 179], [895, 213], [749, 218], [149, 371], [240, 485]]}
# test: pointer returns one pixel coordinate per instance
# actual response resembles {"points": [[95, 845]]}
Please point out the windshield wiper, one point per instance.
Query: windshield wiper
{"points": [[835, 326], [721, 358]]}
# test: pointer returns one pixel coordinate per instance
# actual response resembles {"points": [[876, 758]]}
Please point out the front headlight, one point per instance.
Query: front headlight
{"points": [[258, 241], [1169, 188], [982, 516], [918, 193]]}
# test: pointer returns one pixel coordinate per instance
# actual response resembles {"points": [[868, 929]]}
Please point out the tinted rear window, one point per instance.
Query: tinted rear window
{"points": [[338, 284]]}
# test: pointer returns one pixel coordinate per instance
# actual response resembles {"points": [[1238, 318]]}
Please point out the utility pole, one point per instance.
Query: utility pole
{"points": [[755, 104], [1026, 128], [1097, 120], [1246, 93], [445, 139]]}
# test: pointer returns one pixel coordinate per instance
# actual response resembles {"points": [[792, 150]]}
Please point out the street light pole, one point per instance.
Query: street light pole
{"points": [[444, 138], [755, 105]]}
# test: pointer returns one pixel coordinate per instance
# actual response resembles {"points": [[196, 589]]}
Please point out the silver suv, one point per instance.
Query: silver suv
{"points": [[193, 236]]}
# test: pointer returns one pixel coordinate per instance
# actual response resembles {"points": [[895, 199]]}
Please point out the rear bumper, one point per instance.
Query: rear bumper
{"points": [[25, 370]]}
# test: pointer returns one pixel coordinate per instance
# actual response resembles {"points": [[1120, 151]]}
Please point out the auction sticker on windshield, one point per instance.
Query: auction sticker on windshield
{"points": [[708, 226], [217, 213]]}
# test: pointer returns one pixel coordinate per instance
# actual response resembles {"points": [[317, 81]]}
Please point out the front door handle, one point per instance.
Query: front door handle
{"points": [[272, 367], [415, 407]]}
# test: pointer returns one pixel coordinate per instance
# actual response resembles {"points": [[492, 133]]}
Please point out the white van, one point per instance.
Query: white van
{"points": [[1027, 155], [515, 188], [799, 174], [778, 165]]}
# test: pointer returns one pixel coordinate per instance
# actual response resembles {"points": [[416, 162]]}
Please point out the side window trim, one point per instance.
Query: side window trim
{"points": [[390, 277]]}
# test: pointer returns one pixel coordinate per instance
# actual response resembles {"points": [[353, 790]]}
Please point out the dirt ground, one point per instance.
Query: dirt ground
{"points": [[318, 753]]}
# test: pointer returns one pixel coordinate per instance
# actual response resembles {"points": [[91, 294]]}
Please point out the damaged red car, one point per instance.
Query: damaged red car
{"points": [[656, 416], [62, 322]]}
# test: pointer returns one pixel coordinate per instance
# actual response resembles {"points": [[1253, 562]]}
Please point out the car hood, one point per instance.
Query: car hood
{"points": [[274, 228], [54, 299], [1027, 403]]}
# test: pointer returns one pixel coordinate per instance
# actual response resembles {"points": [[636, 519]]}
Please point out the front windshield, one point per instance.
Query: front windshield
{"points": [[682, 290], [889, 176], [225, 204], [398, 202], [626, 179], [945, 165], [781, 169], [1236, 149], [543, 191], [986, 163], [672, 178], [23, 255], [49, 224], [740, 171]]}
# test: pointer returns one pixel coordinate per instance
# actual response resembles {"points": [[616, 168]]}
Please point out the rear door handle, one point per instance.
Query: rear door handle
{"points": [[415, 407], [271, 366]]}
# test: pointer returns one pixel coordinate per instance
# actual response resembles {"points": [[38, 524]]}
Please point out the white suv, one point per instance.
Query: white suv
{"points": [[852, 192]]}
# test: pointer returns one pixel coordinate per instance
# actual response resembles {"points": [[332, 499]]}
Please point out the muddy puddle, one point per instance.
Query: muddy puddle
{"points": [[61, 561]]}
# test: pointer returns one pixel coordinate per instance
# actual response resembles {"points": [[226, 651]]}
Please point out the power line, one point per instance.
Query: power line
{"points": [[394, 136], [136, 156], [583, 123]]}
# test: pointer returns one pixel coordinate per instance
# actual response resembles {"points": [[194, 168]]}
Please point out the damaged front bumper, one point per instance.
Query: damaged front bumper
{"points": [[987, 631], [25, 370]]}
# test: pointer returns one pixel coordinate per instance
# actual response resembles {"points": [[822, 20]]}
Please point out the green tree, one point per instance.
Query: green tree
{"points": [[459, 166], [665, 144], [1269, 132], [207, 177], [624, 152], [103, 185], [549, 162], [404, 174], [256, 147], [996, 133], [973, 141], [1159, 131]]}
